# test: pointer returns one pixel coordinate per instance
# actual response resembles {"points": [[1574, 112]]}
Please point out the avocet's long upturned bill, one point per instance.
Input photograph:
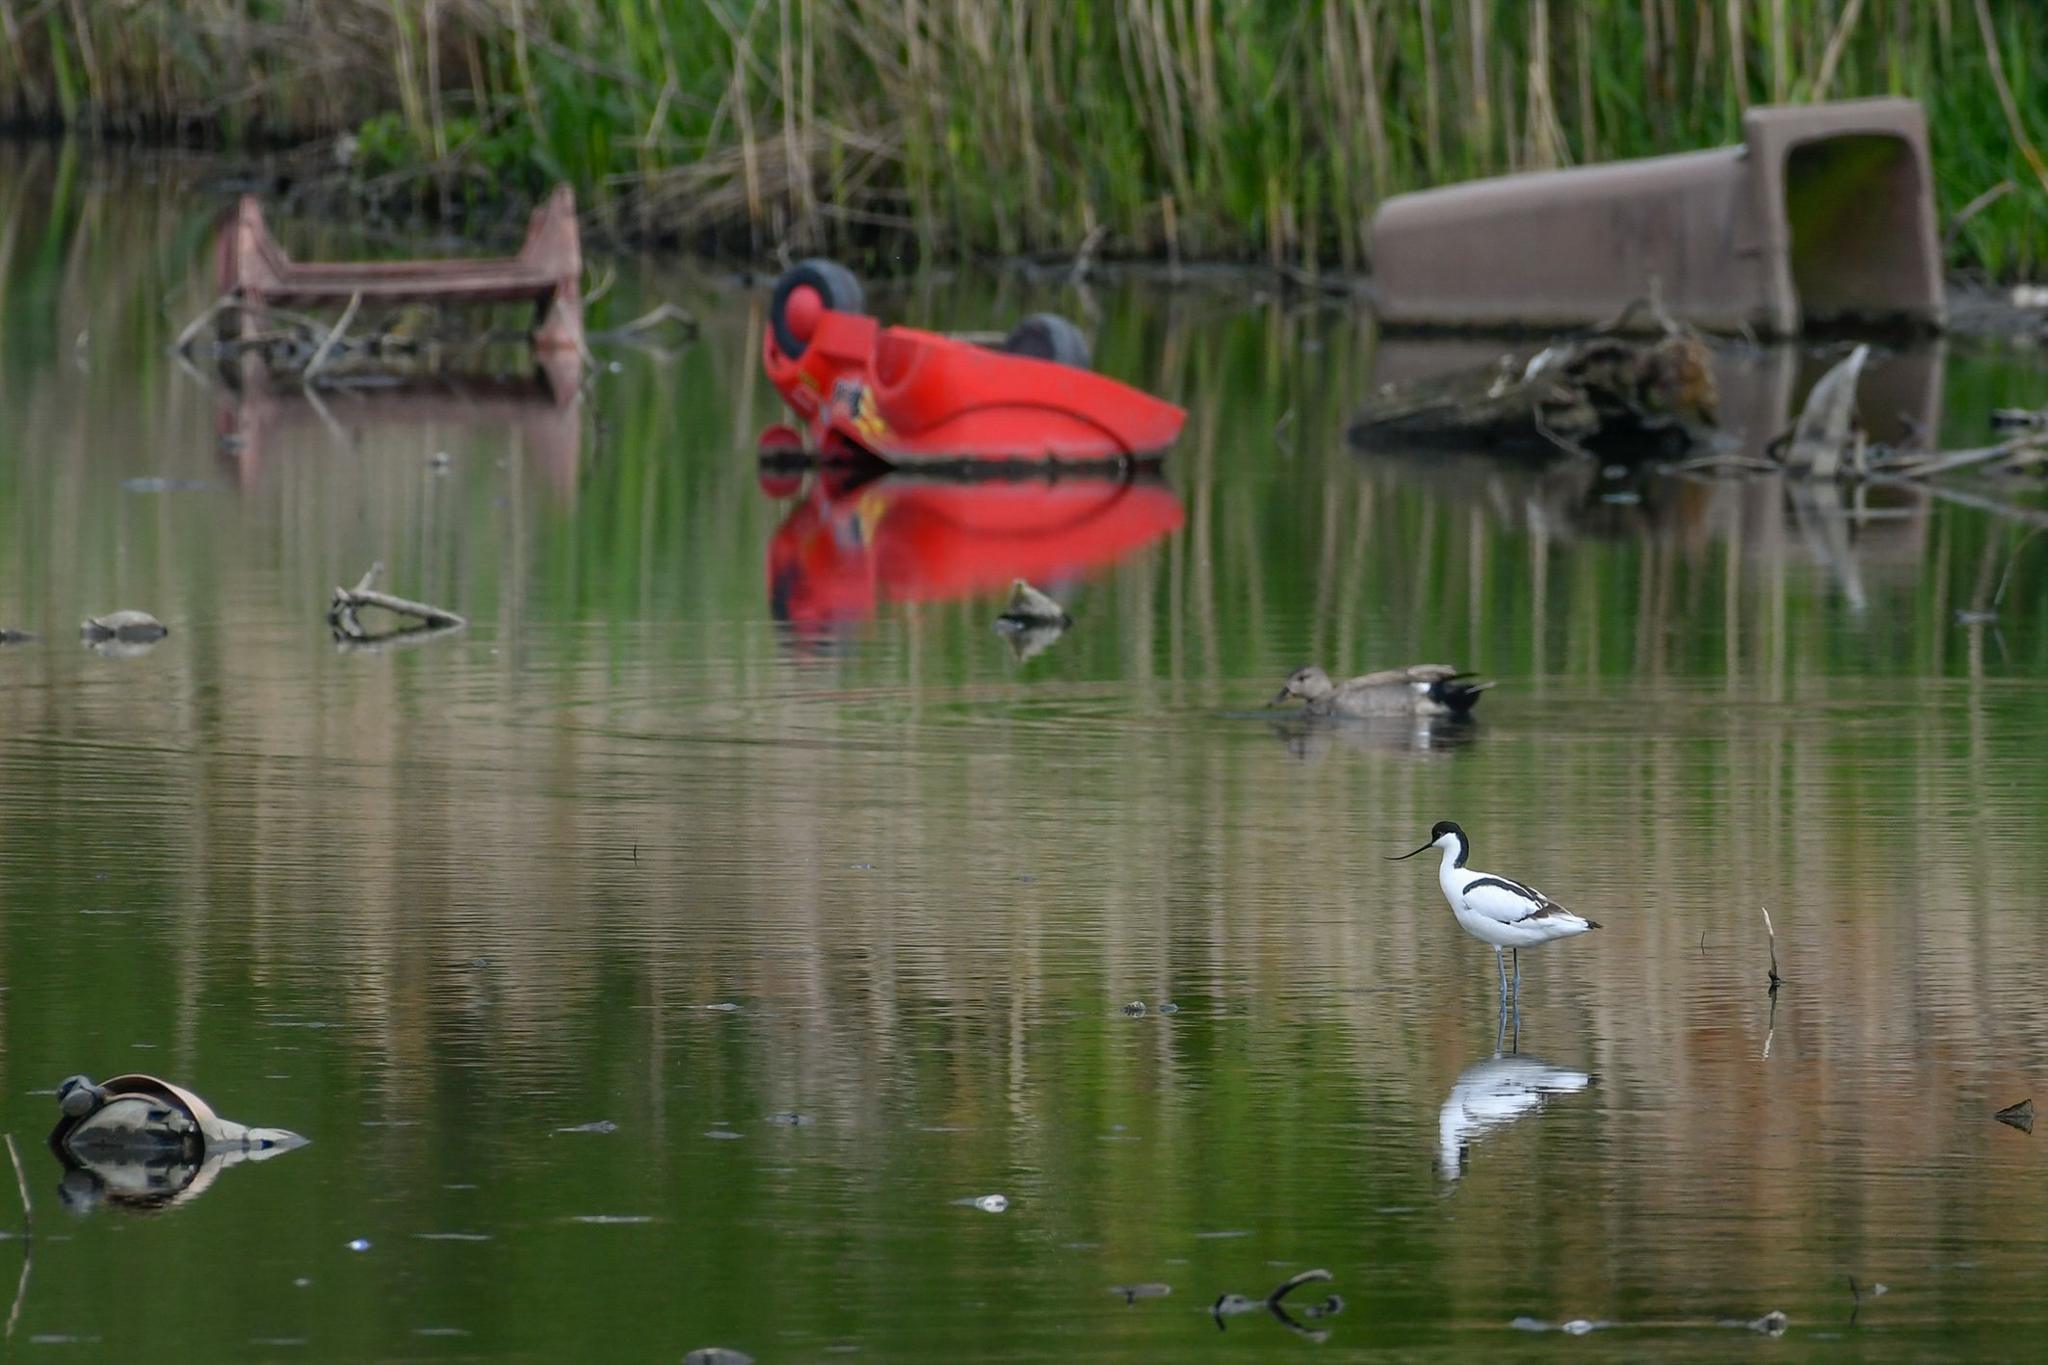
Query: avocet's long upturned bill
{"points": [[1494, 909]]}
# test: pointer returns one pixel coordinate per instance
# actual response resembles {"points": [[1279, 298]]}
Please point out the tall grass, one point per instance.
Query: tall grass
{"points": [[1191, 128]]}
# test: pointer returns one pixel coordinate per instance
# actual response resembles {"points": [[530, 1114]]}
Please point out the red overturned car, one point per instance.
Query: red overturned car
{"points": [[912, 397]]}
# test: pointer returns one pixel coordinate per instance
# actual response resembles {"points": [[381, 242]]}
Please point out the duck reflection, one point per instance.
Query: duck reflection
{"points": [[1311, 739], [1491, 1094], [854, 540]]}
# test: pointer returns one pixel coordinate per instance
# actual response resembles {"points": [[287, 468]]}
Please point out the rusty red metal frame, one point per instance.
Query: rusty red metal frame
{"points": [[548, 270]]}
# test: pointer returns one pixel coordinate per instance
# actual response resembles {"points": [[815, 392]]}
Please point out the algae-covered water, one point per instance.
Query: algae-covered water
{"points": [[672, 958]]}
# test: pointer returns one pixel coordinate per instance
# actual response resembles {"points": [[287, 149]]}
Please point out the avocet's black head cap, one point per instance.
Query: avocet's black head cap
{"points": [[1436, 834]]}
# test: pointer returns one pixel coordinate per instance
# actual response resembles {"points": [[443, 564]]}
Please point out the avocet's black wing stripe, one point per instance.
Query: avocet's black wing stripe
{"points": [[1538, 905], [1532, 896], [1501, 900]]}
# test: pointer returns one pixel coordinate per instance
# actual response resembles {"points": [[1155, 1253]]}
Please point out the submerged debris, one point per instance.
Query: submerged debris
{"points": [[1231, 1305], [1133, 1292], [144, 1143], [348, 628], [1825, 445], [1771, 1324], [1575, 1327], [1638, 396], [1031, 620], [2020, 1116], [127, 627], [1030, 607], [987, 1203], [14, 637], [717, 1355]]}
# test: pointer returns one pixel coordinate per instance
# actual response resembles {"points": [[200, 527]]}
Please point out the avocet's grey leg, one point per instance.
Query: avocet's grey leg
{"points": [[1500, 961], [1518, 975]]}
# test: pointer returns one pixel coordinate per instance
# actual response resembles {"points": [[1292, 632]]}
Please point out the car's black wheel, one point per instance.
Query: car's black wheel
{"points": [[1048, 336], [836, 288]]}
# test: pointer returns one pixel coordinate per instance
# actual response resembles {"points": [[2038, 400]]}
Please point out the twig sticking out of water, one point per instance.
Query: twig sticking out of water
{"points": [[193, 328], [332, 339], [1776, 980], [28, 1210], [28, 1233], [645, 329], [1976, 617]]}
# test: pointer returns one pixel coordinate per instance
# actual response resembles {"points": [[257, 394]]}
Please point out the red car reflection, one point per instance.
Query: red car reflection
{"points": [[848, 546]]}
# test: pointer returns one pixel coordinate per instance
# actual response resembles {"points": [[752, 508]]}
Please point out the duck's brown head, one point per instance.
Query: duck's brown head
{"points": [[1310, 684]]}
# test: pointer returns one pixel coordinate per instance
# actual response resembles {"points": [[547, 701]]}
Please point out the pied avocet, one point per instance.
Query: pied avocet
{"points": [[1494, 909]]}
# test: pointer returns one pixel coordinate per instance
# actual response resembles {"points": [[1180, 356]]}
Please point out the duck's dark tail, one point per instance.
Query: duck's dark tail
{"points": [[1457, 694]]}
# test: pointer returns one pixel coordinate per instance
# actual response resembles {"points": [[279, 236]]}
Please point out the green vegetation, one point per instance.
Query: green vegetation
{"points": [[1198, 128]]}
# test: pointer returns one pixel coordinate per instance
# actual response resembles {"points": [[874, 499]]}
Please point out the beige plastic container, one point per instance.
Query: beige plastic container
{"points": [[1823, 217]]}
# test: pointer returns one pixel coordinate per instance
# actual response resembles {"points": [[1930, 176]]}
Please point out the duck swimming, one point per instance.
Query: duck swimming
{"points": [[1418, 690]]}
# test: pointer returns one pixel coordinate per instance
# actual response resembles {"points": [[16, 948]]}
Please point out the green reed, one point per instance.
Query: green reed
{"points": [[1241, 129]]}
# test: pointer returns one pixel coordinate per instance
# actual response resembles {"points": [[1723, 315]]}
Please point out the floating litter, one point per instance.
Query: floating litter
{"points": [[595, 1126], [717, 1355], [359, 1244], [987, 1203], [1576, 1327], [1135, 1008]]}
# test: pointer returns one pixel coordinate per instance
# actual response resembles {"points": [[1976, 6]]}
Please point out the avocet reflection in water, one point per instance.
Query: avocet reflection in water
{"points": [[1493, 1093], [852, 543]]}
